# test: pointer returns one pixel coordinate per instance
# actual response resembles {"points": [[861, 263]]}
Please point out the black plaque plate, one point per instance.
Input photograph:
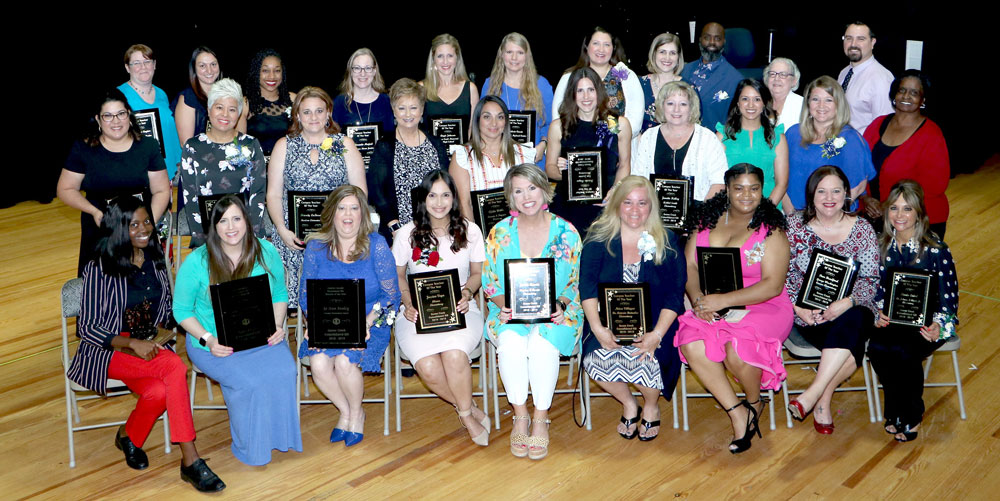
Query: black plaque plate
{"points": [[829, 278], [450, 130], [674, 197], [522, 126], [530, 285], [584, 176], [336, 313], [908, 297], [149, 126], [365, 136], [626, 309], [435, 294], [207, 202], [720, 271], [305, 209], [244, 316], [489, 207]]}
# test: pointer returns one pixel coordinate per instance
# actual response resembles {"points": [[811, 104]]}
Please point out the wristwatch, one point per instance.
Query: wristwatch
{"points": [[394, 227], [203, 338], [563, 304]]}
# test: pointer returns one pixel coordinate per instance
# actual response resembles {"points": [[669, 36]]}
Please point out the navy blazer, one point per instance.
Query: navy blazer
{"points": [[100, 320]]}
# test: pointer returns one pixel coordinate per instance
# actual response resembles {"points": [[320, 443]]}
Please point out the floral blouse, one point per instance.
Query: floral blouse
{"points": [[936, 260], [860, 244], [563, 245], [209, 168]]}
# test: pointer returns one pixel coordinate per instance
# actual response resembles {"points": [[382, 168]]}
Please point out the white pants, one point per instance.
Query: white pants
{"points": [[525, 360]]}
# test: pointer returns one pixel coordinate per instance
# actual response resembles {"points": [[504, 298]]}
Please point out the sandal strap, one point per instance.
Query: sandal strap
{"points": [[630, 421], [539, 442], [649, 424], [546, 421]]}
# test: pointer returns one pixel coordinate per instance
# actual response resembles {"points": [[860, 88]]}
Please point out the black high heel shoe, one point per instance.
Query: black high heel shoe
{"points": [[744, 442], [909, 434]]}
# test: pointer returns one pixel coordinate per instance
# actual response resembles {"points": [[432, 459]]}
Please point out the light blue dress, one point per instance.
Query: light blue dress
{"points": [[171, 145], [512, 98]]}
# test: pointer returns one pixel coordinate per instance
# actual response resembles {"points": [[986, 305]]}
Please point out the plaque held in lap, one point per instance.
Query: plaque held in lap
{"points": [[720, 272], [908, 296], [829, 278], [530, 287], [336, 313], [435, 295], [244, 316], [626, 309]]}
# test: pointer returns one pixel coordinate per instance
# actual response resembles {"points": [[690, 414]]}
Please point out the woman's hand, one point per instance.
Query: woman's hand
{"points": [[504, 315], [558, 316], [410, 313], [872, 207], [882, 320], [836, 309], [98, 216], [605, 337], [145, 349], [647, 345], [217, 349], [931, 332], [807, 316], [277, 337], [561, 163], [705, 307], [540, 151], [290, 239], [463, 304]]}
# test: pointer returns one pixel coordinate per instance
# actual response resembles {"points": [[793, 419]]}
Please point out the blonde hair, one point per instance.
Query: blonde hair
{"points": [[406, 87], [807, 127], [608, 224], [913, 194], [678, 87], [534, 175], [530, 98], [661, 40], [431, 80], [328, 234], [347, 85]]}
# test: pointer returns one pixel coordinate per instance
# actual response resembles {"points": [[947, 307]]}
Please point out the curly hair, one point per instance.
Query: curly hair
{"points": [[252, 83], [423, 235], [707, 215]]}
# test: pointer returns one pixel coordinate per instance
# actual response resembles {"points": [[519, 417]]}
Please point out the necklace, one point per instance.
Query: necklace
{"points": [[369, 119], [139, 91], [138, 259]]}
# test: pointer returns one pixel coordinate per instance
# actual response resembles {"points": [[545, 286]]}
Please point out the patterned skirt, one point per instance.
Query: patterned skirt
{"points": [[623, 366]]}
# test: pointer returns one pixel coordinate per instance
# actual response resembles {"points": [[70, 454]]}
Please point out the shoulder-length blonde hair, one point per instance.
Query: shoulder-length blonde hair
{"points": [[533, 175], [296, 128], [530, 98], [328, 234], [661, 40], [808, 128], [431, 80], [678, 87], [347, 84], [913, 194], [608, 225]]}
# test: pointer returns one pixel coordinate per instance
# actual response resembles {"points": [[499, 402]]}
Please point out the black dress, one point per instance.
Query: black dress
{"points": [[586, 137], [269, 124]]}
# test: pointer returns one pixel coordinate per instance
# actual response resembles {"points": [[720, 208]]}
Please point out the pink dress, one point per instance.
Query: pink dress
{"points": [[759, 335]]}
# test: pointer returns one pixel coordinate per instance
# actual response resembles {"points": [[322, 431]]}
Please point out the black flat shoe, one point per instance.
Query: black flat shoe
{"points": [[201, 477], [646, 425], [743, 443], [908, 434], [628, 423], [135, 457]]}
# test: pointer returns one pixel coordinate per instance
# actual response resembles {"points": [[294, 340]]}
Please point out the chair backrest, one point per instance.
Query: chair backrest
{"points": [[72, 293], [739, 47], [182, 226]]}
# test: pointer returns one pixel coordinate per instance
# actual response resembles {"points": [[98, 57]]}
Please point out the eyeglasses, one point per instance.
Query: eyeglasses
{"points": [[362, 69], [121, 115], [148, 63], [781, 75]]}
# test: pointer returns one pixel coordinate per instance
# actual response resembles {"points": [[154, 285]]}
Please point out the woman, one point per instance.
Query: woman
{"points": [[268, 98], [627, 244], [782, 79], [362, 98], [191, 105], [839, 330], [258, 384], [529, 353], [515, 80], [126, 300], [749, 137], [482, 163], [908, 145], [115, 159], [681, 148], [665, 62], [604, 54], [442, 359], [824, 137], [143, 95], [223, 160], [450, 92], [749, 348], [348, 247], [897, 351], [400, 161], [586, 121], [314, 156]]}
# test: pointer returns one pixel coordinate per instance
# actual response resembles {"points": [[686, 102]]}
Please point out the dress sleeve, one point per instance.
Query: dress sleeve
{"points": [[858, 164], [401, 250], [933, 170], [154, 161], [868, 262], [590, 269], [477, 250], [947, 314], [75, 161], [385, 270], [189, 185], [568, 269], [276, 272], [545, 89], [95, 303], [557, 95], [255, 186]]}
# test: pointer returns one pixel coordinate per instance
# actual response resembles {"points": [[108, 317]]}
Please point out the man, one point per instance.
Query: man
{"points": [[712, 76], [865, 81]]}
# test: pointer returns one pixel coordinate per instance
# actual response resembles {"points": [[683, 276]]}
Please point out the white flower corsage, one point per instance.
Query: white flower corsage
{"points": [[755, 254], [383, 316], [647, 246], [832, 147], [720, 96]]}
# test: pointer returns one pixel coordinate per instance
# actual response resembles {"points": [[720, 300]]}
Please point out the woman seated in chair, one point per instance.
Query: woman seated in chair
{"points": [[839, 331], [896, 351], [628, 243], [125, 303], [346, 246], [439, 239], [258, 384], [749, 347]]}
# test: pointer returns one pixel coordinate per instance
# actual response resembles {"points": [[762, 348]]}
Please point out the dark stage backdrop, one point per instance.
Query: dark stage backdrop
{"points": [[81, 56]]}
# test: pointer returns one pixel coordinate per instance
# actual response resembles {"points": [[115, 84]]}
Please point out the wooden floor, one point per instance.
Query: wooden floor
{"points": [[433, 458]]}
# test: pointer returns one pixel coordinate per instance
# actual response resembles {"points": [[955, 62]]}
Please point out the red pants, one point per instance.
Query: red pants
{"points": [[161, 384]]}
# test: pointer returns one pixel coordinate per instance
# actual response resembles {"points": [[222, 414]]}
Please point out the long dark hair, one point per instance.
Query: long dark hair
{"points": [[734, 121], [617, 54], [115, 248], [110, 96], [422, 235], [475, 135], [707, 214], [814, 179], [568, 110], [252, 85], [219, 267], [193, 73]]}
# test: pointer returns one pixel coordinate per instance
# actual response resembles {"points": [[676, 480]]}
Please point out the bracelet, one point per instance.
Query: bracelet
{"points": [[471, 294], [853, 303]]}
